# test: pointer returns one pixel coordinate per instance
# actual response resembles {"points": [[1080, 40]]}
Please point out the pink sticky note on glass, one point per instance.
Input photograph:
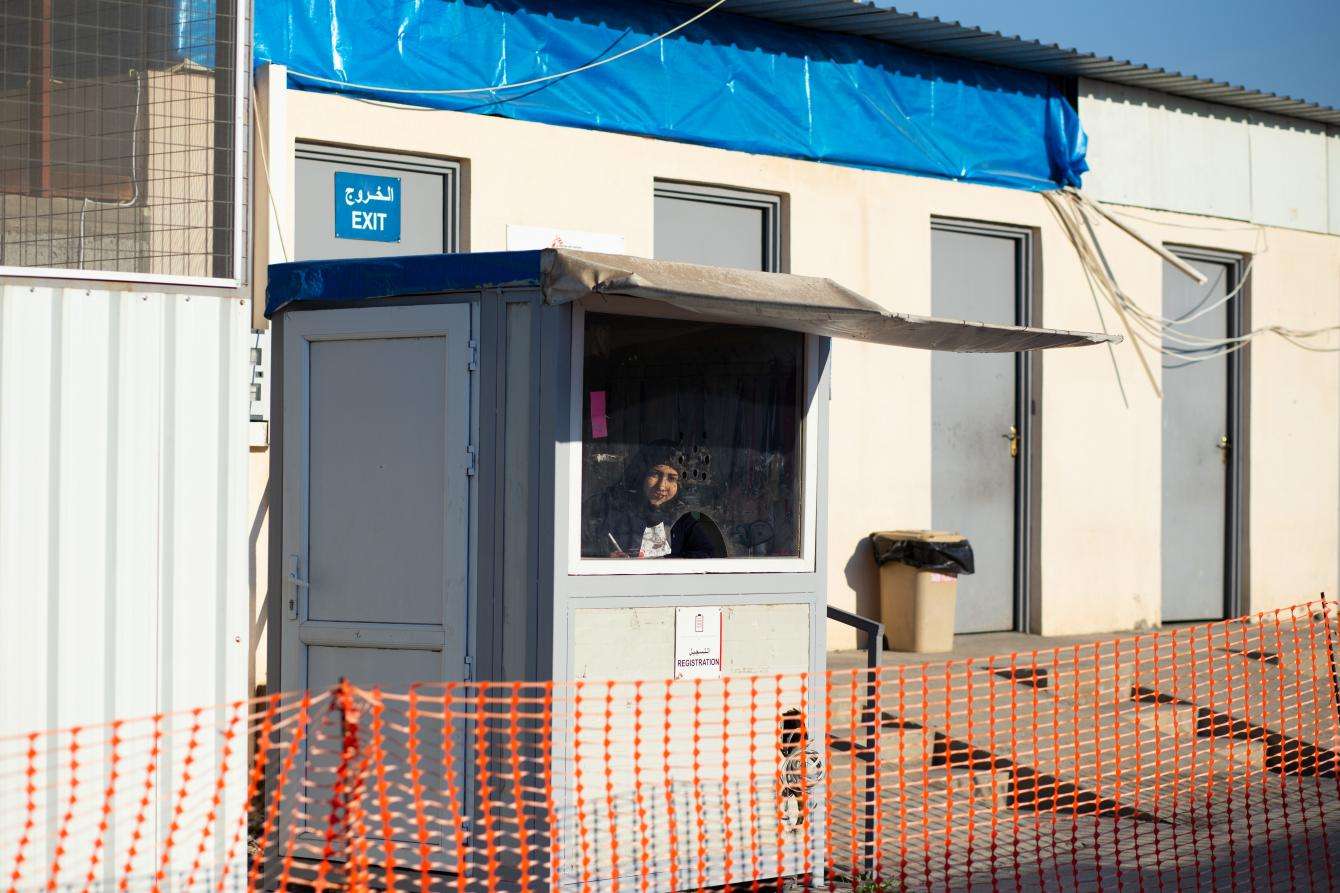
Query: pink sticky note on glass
{"points": [[599, 423]]}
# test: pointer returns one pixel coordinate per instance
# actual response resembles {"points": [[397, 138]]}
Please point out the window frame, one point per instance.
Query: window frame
{"points": [[450, 169], [804, 563], [242, 185], [770, 203]]}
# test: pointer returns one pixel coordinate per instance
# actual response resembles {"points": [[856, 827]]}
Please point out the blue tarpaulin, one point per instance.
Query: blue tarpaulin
{"points": [[193, 31], [725, 81]]}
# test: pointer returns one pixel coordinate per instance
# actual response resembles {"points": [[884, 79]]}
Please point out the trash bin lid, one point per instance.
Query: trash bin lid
{"points": [[921, 536], [932, 550]]}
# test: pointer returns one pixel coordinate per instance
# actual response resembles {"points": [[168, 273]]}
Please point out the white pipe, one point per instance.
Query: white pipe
{"points": [[1158, 249], [140, 78]]}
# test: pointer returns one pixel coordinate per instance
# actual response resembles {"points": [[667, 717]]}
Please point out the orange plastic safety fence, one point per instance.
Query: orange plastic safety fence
{"points": [[1205, 758]]}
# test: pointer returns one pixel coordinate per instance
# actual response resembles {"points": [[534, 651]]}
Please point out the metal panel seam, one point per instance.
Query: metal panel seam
{"points": [[53, 553], [109, 675]]}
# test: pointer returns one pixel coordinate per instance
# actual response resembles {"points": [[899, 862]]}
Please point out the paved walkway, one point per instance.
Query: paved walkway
{"points": [[983, 645], [1205, 758]]}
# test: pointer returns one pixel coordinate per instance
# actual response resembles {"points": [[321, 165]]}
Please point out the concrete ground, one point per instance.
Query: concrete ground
{"points": [[978, 645], [1202, 757]]}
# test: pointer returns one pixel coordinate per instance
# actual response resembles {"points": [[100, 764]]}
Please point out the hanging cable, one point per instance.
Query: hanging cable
{"points": [[467, 91], [1111, 348], [1164, 336], [141, 78], [262, 136], [1076, 239], [1126, 212]]}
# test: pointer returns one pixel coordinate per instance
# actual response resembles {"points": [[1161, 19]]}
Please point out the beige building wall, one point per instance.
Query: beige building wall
{"points": [[1100, 482], [180, 177]]}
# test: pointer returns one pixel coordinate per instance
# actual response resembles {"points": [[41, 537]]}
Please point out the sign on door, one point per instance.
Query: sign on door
{"points": [[367, 207]]}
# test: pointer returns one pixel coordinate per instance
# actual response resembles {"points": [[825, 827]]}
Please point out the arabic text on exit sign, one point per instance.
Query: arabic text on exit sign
{"points": [[367, 207]]}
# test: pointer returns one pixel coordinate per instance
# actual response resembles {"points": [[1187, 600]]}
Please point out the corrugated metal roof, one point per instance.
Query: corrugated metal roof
{"points": [[865, 19]]}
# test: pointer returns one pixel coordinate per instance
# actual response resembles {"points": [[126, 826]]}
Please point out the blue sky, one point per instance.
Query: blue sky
{"points": [[1284, 46]]}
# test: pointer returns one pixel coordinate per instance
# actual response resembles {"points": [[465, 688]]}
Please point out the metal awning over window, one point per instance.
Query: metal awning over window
{"points": [[779, 300]]}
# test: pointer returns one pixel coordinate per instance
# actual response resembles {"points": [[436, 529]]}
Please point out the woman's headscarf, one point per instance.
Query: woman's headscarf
{"points": [[658, 452]]}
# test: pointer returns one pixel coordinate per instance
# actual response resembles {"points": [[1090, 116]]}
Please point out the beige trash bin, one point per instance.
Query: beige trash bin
{"points": [[918, 586]]}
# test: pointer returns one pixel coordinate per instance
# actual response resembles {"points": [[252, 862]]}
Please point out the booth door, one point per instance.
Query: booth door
{"points": [[376, 411]]}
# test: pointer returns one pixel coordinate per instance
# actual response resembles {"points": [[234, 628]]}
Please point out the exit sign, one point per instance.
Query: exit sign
{"points": [[367, 207]]}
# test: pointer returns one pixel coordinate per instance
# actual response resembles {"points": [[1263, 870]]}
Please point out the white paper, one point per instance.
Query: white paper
{"points": [[698, 643], [655, 542]]}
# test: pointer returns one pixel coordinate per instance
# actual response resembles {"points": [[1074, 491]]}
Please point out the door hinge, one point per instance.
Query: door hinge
{"points": [[471, 460], [469, 667], [472, 355]]}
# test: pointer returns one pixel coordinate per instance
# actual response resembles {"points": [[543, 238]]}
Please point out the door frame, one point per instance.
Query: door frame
{"points": [[1027, 418], [1236, 488], [300, 330], [291, 400]]}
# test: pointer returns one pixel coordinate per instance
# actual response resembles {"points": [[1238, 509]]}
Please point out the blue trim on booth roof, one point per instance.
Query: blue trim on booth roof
{"points": [[726, 81], [351, 281]]}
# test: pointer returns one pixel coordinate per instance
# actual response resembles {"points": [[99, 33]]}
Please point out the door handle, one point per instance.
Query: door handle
{"points": [[1013, 438], [297, 584], [1224, 447]]}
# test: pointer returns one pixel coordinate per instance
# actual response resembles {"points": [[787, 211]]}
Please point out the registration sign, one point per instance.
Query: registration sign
{"points": [[367, 207], [698, 643]]}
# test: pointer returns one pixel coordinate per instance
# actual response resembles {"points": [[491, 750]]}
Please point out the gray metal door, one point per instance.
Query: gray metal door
{"points": [[376, 406], [977, 273], [426, 207], [1198, 543], [377, 427]]}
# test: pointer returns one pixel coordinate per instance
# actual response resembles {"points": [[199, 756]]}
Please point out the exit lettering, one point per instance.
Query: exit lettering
{"points": [[369, 220], [367, 206]]}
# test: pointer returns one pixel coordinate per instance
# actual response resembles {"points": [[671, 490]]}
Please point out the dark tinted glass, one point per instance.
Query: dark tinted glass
{"points": [[691, 439]]}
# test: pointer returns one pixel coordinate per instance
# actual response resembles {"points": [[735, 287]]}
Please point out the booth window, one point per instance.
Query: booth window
{"points": [[691, 440], [718, 227]]}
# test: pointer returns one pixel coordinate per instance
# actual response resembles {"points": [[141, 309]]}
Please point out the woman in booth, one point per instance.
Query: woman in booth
{"points": [[643, 515]]}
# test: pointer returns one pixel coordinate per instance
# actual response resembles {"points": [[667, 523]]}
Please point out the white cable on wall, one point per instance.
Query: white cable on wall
{"points": [[140, 79], [262, 135], [529, 82]]}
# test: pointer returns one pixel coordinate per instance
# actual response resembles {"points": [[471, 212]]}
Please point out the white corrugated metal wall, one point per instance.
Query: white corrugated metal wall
{"points": [[1155, 150], [123, 529]]}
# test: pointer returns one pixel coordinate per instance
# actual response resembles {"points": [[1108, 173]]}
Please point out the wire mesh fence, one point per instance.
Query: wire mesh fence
{"points": [[1204, 758], [117, 130]]}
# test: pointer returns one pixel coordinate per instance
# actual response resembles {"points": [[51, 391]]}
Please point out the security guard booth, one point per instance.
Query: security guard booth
{"points": [[561, 465]]}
